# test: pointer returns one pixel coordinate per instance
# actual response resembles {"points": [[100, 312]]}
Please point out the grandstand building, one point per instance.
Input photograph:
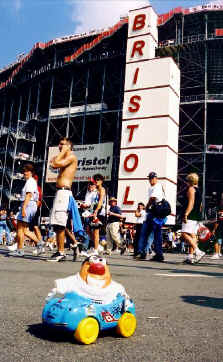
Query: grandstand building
{"points": [[194, 37], [74, 86]]}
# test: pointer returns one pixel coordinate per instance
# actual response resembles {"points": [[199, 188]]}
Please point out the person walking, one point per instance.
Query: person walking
{"points": [[140, 215], [192, 205], [99, 213], [218, 233], [66, 163], [5, 236], [152, 223], [40, 246], [29, 197], [87, 207], [113, 236]]}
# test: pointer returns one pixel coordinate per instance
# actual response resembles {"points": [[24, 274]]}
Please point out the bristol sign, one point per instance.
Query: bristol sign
{"points": [[150, 123]]}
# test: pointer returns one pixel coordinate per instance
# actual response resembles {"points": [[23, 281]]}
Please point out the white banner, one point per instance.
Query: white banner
{"points": [[92, 159]]}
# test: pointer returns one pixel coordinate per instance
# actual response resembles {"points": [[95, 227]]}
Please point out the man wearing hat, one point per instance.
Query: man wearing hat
{"points": [[113, 227], [155, 194]]}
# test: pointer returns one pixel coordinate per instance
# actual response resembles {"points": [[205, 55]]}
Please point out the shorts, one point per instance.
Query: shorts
{"points": [[31, 210], [191, 227], [35, 220], [59, 213]]}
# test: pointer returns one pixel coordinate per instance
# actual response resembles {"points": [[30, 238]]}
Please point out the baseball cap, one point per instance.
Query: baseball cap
{"points": [[152, 175], [112, 199]]}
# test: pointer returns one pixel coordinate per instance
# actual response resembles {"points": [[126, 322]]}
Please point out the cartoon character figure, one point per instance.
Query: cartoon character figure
{"points": [[92, 302]]}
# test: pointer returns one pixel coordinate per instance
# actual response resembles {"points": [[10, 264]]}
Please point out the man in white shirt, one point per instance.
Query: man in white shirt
{"points": [[29, 198], [155, 194]]}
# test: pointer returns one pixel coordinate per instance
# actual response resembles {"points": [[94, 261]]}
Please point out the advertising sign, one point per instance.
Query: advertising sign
{"points": [[150, 118], [92, 159]]}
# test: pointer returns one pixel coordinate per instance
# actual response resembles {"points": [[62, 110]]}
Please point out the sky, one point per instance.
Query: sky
{"points": [[25, 22]]}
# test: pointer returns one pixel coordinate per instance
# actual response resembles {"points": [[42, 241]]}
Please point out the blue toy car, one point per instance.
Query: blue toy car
{"points": [[85, 318]]}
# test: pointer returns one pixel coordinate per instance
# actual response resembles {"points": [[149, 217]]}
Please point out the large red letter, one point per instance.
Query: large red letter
{"points": [[126, 201], [137, 47], [139, 22], [132, 101], [136, 161], [136, 76], [132, 128]]}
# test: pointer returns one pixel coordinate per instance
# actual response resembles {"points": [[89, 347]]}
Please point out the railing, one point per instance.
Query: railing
{"points": [[64, 111], [21, 156], [192, 98], [215, 97], [12, 197], [17, 133], [22, 135], [38, 160], [201, 97], [15, 176], [187, 40]]}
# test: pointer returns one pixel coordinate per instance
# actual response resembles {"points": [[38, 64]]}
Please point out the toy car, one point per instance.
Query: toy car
{"points": [[86, 318]]}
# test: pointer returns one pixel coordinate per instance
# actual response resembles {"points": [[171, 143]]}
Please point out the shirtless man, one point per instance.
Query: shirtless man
{"points": [[66, 162]]}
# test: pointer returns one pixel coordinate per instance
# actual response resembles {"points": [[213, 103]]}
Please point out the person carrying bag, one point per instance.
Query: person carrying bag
{"points": [[161, 209]]}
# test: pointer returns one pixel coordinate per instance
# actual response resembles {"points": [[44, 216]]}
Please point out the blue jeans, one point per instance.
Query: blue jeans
{"points": [[148, 226], [4, 230], [150, 242], [84, 240]]}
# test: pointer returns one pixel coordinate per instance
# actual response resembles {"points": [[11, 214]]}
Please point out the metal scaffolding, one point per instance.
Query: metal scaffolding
{"points": [[81, 100], [191, 40]]}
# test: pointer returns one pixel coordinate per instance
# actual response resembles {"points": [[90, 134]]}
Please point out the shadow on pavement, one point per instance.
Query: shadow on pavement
{"points": [[58, 335], [53, 335], [203, 301], [189, 270]]}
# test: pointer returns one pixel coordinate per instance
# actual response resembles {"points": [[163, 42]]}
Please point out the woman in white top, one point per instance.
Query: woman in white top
{"points": [[140, 215], [99, 212], [29, 198]]}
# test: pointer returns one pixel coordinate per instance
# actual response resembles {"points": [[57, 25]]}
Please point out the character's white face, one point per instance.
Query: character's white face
{"points": [[95, 272]]}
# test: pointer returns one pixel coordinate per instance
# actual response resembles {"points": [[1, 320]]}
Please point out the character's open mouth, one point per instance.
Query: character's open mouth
{"points": [[93, 282]]}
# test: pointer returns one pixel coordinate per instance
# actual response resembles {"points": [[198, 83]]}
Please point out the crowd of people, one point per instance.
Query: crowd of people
{"points": [[97, 223]]}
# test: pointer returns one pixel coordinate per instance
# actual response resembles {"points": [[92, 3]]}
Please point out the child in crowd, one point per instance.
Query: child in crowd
{"points": [[218, 233]]}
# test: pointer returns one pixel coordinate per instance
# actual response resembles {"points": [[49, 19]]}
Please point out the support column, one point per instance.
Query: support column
{"points": [[47, 135]]}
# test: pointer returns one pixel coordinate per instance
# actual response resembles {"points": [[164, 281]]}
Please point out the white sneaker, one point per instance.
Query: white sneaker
{"points": [[188, 261], [38, 251], [12, 247], [95, 251], [83, 253], [199, 256], [19, 252], [220, 254], [215, 256]]}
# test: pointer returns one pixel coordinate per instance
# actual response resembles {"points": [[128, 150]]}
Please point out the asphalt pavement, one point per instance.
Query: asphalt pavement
{"points": [[179, 311]]}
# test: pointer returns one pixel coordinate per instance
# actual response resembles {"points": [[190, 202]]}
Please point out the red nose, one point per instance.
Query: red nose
{"points": [[97, 268]]}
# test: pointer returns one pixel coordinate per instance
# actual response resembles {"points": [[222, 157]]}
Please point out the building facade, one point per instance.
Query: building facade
{"points": [[83, 77]]}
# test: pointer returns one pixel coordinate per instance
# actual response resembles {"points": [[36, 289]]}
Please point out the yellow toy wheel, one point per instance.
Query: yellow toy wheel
{"points": [[126, 325], [87, 331]]}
